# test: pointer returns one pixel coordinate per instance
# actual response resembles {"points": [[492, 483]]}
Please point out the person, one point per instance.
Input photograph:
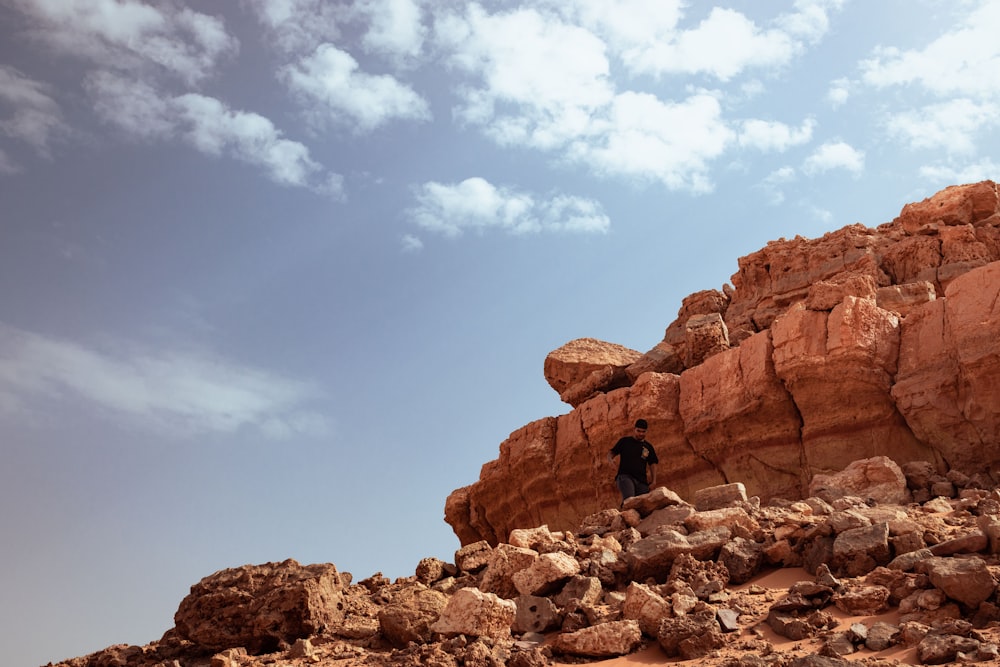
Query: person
{"points": [[635, 456]]}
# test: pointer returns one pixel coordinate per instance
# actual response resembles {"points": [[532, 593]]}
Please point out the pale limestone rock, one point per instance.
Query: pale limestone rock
{"points": [[719, 496], [540, 539], [535, 614], [666, 516], [505, 561], [410, 614], [601, 641], [730, 517], [546, 574], [878, 478], [646, 607], [471, 612], [657, 498]]}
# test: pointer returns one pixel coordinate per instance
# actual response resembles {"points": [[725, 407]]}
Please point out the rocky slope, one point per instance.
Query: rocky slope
{"points": [[882, 581], [835, 413], [861, 343]]}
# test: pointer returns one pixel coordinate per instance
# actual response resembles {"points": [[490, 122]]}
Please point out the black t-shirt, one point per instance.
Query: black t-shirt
{"points": [[633, 456]]}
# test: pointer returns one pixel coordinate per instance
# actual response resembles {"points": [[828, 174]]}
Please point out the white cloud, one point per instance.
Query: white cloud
{"points": [[774, 136], [330, 81], [535, 80], [950, 126], [773, 184], [626, 25], [395, 28], [214, 128], [35, 117], [723, 45], [411, 243], [964, 61], [129, 35], [726, 42], [835, 155], [211, 127], [134, 106], [838, 93], [172, 391], [475, 204], [949, 174], [647, 138], [298, 26]]}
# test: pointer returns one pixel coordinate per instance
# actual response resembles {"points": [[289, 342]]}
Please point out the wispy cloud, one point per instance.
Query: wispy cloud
{"points": [[950, 126], [298, 26], [395, 28], [775, 136], [208, 125], [28, 111], [653, 41], [410, 243], [180, 392], [959, 72], [948, 174], [963, 61], [129, 35], [475, 204], [834, 155], [337, 92]]}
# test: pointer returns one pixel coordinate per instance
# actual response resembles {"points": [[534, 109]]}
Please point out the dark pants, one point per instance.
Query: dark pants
{"points": [[630, 486]]}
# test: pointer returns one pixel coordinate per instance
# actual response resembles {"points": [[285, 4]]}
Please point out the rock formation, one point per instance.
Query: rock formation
{"points": [[862, 343], [685, 577], [836, 410]]}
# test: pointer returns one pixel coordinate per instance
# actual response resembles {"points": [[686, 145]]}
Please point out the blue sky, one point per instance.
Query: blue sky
{"points": [[276, 276]]}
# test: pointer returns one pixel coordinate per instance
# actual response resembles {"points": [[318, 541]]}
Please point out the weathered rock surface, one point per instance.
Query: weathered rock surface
{"points": [[260, 607], [866, 342], [675, 589], [836, 409], [586, 366]]}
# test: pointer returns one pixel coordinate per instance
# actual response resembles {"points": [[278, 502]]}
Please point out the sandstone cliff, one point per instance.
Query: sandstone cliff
{"points": [[861, 343]]}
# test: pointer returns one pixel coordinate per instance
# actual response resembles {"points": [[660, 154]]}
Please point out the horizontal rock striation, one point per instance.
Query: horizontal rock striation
{"points": [[865, 342]]}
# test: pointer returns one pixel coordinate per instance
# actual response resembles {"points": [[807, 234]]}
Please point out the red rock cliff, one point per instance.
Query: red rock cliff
{"points": [[861, 343]]}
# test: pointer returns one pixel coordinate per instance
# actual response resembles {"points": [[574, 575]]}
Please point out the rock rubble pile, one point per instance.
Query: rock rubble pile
{"points": [[919, 577]]}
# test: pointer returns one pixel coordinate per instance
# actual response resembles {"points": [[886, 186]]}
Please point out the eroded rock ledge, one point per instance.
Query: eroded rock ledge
{"points": [[864, 342]]}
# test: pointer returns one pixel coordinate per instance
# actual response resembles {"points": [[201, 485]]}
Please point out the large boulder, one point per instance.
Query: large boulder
{"points": [[259, 607], [591, 363]]}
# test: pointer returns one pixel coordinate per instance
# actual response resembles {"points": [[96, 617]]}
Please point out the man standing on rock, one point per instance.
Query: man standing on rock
{"points": [[634, 455]]}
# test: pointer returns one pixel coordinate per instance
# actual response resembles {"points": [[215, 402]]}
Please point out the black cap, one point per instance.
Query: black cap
{"points": [[641, 423]]}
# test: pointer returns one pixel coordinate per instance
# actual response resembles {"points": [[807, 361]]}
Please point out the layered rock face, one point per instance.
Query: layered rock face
{"points": [[865, 342]]}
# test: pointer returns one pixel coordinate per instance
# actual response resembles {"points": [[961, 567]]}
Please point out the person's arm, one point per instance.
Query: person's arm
{"points": [[652, 475]]}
